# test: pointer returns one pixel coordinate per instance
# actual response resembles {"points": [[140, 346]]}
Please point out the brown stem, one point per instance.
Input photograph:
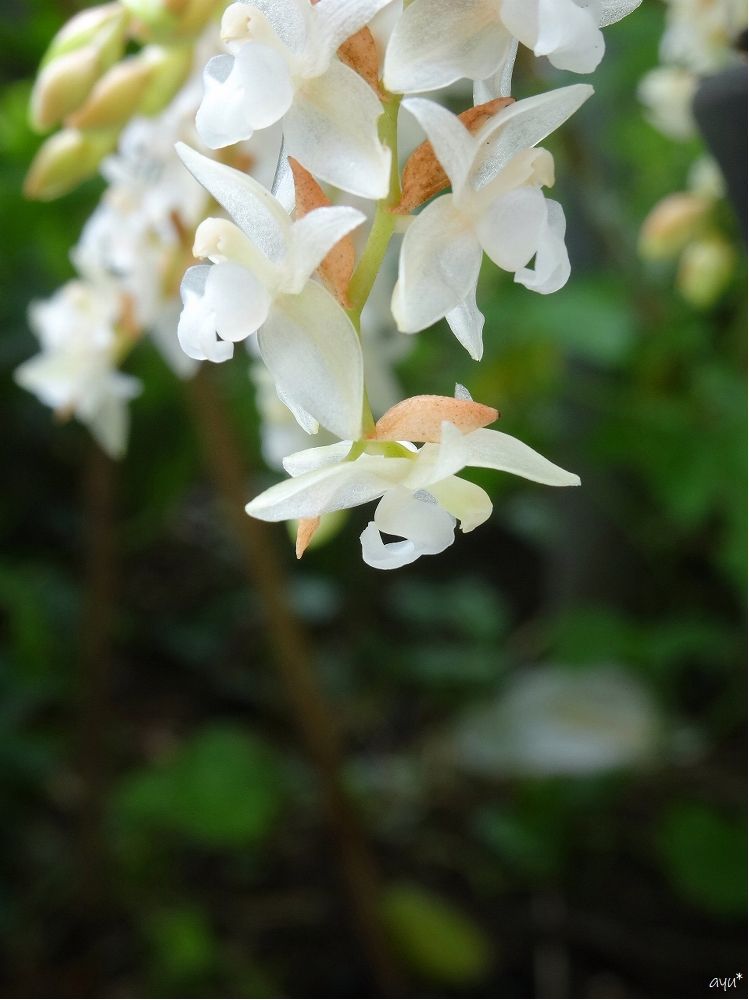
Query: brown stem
{"points": [[96, 664], [313, 716]]}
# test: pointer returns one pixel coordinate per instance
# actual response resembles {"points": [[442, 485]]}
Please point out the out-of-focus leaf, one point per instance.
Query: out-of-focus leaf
{"points": [[704, 855], [222, 788], [436, 939]]}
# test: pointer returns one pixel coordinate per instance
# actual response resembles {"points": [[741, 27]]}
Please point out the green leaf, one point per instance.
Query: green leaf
{"points": [[221, 789], [433, 937], [704, 854]]}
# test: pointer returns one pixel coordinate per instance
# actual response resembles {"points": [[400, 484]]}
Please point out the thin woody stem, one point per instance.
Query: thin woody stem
{"points": [[314, 718]]}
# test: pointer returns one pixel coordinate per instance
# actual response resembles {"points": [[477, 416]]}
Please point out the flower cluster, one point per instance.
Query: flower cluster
{"points": [[289, 265], [700, 39]]}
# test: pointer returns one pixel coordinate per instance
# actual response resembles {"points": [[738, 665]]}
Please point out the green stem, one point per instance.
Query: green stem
{"points": [[383, 226]]}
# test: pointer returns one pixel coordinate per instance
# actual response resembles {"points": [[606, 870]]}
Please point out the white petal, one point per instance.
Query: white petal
{"points": [[337, 20], [521, 126], [253, 208], [197, 323], [426, 528], [312, 459], [312, 237], [439, 266], [465, 500], [561, 29], [305, 420], [615, 10], [334, 487], [109, 423], [436, 42], [239, 301], [435, 462], [314, 355], [451, 140], [510, 229], [289, 19], [487, 449], [250, 91], [552, 267], [332, 130], [499, 84], [467, 323]]}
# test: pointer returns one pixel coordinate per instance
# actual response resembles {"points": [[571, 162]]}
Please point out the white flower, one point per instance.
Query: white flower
{"points": [[75, 372], [259, 280], [700, 34], [667, 93], [496, 206], [439, 41], [422, 495], [284, 67]]}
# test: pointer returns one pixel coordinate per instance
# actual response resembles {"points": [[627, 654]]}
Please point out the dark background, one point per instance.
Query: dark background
{"points": [[176, 818]]}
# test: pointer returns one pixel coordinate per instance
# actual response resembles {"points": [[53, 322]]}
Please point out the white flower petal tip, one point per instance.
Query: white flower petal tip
{"points": [[489, 449], [425, 527], [420, 418]]}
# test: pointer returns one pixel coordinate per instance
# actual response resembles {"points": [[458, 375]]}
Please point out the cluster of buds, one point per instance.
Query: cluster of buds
{"points": [[700, 39], [89, 84], [289, 267]]}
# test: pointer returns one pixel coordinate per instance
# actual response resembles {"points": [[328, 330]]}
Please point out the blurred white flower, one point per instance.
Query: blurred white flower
{"points": [[75, 372], [667, 93], [554, 721], [700, 34]]}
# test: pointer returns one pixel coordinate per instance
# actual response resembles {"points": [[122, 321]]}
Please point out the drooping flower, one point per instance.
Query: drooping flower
{"points": [[439, 41], [421, 496], [496, 206], [259, 280], [283, 66], [75, 373]]}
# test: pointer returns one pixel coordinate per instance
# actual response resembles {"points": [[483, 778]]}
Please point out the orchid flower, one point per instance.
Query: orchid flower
{"points": [[421, 496], [75, 372], [437, 42], [283, 66], [259, 281], [496, 206]]}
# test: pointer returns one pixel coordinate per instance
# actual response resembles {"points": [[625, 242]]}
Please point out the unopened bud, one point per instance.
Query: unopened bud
{"points": [[705, 271], [172, 19], [84, 49], [116, 96], [103, 27], [671, 224], [170, 68], [66, 159], [62, 86]]}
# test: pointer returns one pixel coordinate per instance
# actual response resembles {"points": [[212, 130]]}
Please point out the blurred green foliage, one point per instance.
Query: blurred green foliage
{"points": [[198, 807]]}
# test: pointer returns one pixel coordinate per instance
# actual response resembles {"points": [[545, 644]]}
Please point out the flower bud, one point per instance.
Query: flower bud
{"points": [[103, 27], [671, 224], [170, 19], [705, 270], [62, 86], [116, 96], [170, 68], [78, 55], [66, 159]]}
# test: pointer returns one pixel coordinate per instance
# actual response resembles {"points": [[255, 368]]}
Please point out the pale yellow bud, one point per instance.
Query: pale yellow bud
{"points": [[104, 27], [705, 270], [62, 86], [116, 96], [170, 68], [671, 224], [87, 45], [66, 159]]}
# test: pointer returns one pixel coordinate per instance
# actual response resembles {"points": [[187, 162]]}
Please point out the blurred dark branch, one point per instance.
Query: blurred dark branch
{"points": [[290, 648], [99, 490]]}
